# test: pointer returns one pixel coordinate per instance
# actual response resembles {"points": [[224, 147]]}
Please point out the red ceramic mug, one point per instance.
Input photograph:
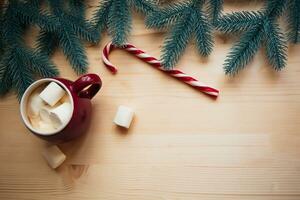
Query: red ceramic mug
{"points": [[80, 93]]}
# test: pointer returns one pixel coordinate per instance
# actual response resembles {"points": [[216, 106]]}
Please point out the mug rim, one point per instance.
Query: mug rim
{"points": [[24, 101]]}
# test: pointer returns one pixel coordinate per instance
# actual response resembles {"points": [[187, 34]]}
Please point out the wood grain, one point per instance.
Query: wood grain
{"points": [[182, 145]]}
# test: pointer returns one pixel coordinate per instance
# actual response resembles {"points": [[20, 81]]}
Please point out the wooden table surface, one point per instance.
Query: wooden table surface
{"points": [[182, 145]]}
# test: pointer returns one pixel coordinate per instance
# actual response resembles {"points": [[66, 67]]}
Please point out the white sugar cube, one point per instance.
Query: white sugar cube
{"points": [[124, 116], [54, 156], [52, 93]]}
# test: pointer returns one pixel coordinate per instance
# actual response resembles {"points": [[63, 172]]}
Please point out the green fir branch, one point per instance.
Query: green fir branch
{"points": [[73, 49], [77, 8], [166, 17], [83, 29], [276, 47], [14, 72], [177, 41], [142, 6], [30, 14], [293, 19], [243, 52], [115, 16], [1, 31], [39, 64], [5, 79], [197, 3], [19, 64], [5, 83], [274, 8], [101, 15], [80, 25], [46, 43], [119, 22], [20, 74], [239, 21], [203, 32], [215, 8], [34, 3], [258, 27], [66, 37], [185, 20]]}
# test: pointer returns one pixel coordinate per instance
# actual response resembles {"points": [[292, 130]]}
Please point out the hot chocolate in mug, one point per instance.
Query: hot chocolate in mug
{"points": [[79, 93]]}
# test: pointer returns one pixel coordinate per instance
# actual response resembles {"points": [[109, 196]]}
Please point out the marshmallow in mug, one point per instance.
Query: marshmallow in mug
{"points": [[57, 116], [60, 115], [45, 114], [46, 127], [35, 104], [52, 93]]}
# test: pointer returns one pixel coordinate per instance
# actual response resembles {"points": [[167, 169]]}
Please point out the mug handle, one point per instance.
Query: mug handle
{"points": [[92, 80]]}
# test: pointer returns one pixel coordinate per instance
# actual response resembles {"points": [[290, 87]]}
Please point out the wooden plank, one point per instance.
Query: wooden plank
{"points": [[182, 145]]}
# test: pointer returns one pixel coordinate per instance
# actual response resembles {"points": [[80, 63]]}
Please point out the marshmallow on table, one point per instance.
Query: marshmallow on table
{"points": [[124, 116], [54, 156], [52, 93], [61, 115], [35, 103]]}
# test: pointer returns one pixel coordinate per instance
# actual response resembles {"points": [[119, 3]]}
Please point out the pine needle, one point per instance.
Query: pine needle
{"points": [[276, 47], [66, 35], [293, 19], [185, 21], [115, 15], [243, 52], [214, 9], [119, 22], [177, 41], [239, 21], [47, 42], [258, 27], [19, 64], [203, 32]]}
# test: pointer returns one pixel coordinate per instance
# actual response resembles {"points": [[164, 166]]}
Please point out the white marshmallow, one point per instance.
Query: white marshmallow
{"points": [[46, 127], [52, 93], [45, 114], [124, 116], [54, 156], [65, 98], [34, 121], [61, 115], [35, 103]]}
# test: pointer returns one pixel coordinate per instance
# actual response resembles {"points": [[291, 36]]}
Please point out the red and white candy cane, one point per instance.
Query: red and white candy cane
{"points": [[157, 64]]}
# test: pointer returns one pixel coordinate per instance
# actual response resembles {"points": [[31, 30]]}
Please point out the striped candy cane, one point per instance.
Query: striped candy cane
{"points": [[157, 64]]}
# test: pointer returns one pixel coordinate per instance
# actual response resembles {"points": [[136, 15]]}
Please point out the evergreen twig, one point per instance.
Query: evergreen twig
{"points": [[276, 45], [65, 36], [77, 8], [185, 20], [115, 16], [258, 27], [20, 64], [293, 20], [1, 29], [214, 9], [239, 21]]}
